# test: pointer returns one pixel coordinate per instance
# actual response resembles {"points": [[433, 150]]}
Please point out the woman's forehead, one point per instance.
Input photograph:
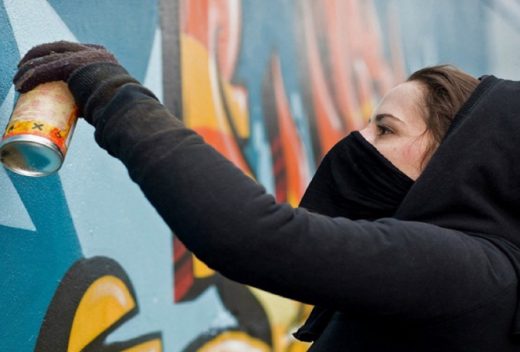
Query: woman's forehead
{"points": [[405, 102]]}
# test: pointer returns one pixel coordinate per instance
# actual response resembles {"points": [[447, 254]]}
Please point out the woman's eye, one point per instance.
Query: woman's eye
{"points": [[383, 130]]}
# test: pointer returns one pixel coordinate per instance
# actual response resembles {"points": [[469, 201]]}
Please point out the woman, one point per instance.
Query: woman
{"points": [[440, 275]]}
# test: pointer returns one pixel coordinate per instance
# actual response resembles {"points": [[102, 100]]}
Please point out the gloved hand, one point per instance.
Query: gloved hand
{"points": [[56, 61]]}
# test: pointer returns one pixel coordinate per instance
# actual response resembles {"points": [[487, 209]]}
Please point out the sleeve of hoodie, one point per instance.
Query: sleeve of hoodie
{"points": [[385, 267]]}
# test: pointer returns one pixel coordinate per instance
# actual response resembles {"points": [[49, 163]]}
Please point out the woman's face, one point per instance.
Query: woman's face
{"points": [[397, 128]]}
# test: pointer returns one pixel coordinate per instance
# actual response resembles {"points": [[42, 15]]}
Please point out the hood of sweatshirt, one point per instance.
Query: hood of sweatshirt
{"points": [[472, 182]]}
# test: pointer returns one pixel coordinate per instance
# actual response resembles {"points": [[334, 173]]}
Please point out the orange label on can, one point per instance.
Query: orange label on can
{"points": [[47, 111]]}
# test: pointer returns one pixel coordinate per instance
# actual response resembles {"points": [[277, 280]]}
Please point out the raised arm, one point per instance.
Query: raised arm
{"points": [[384, 267]]}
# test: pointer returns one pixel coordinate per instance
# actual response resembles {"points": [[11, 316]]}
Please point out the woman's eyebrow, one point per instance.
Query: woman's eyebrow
{"points": [[379, 117]]}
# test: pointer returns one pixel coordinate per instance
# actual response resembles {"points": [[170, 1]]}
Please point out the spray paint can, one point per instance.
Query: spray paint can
{"points": [[37, 136]]}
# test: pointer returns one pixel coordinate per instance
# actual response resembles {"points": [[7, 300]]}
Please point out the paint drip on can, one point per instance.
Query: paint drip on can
{"points": [[38, 134]]}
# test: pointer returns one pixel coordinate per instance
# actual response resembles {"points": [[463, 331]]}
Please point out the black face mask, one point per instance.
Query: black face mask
{"points": [[356, 181]]}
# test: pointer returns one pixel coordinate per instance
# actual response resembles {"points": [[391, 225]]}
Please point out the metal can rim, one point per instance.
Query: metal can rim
{"points": [[36, 140]]}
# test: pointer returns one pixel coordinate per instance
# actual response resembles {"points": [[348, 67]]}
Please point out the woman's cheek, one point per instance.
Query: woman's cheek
{"points": [[407, 153], [415, 150], [411, 155]]}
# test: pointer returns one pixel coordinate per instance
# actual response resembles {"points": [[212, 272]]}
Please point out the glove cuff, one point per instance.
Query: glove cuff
{"points": [[84, 81]]}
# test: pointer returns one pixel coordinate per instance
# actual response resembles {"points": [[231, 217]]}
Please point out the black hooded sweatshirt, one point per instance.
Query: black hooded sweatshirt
{"points": [[439, 276]]}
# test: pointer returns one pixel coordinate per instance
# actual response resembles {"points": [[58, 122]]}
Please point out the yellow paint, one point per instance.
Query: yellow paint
{"points": [[104, 303], [298, 346], [198, 101], [273, 304], [285, 317], [236, 98], [283, 341], [202, 105], [201, 270], [234, 341], [148, 346]]}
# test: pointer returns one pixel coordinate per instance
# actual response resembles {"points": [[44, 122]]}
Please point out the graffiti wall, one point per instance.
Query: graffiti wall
{"points": [[86, 264]]}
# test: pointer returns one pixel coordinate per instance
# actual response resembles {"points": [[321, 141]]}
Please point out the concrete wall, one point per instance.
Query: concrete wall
{"points": [[272, 84]]}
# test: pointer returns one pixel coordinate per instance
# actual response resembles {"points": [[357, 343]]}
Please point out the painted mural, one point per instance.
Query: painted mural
{"points": [[86, 264], [274, 106]]}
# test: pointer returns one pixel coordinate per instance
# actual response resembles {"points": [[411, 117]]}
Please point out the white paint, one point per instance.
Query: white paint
{"points": [[154, 74], [222, 320], [261, 148]]}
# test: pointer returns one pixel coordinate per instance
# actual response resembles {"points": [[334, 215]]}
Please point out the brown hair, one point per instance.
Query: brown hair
{"points": [[446, 90]]}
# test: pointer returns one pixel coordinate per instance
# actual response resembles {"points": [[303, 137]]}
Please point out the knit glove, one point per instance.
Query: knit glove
{"points": [[56, 61]]}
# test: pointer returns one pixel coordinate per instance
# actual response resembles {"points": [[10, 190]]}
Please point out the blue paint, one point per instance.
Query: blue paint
{"points": [[33, 263], [279, 19], [92, 202], [125, 27]]}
